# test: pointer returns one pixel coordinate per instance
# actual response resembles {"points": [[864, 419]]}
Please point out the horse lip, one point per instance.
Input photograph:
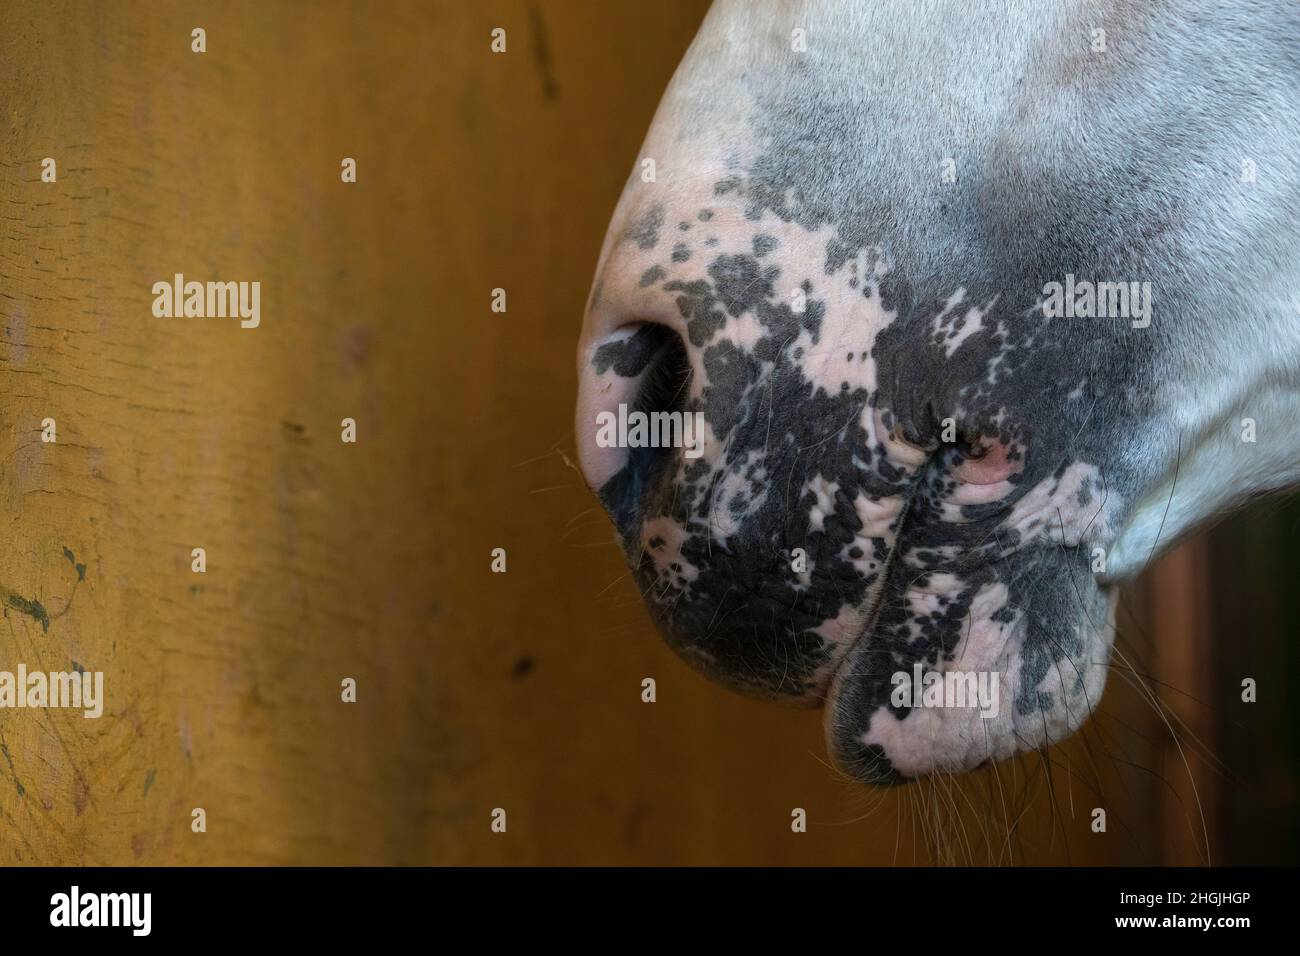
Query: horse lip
{"points": [[873, 615], [869, 625]]}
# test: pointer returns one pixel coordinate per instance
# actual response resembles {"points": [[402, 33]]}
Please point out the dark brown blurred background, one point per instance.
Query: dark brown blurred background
{"points": [[476, 690]]}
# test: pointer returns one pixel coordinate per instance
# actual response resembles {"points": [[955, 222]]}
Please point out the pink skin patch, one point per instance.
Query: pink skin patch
{"points": [[980, 480], [985, 479], [992, 466]]}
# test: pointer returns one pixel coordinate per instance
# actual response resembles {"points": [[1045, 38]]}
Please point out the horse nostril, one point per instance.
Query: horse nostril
{"points": [[632, 397], [666, 378]]}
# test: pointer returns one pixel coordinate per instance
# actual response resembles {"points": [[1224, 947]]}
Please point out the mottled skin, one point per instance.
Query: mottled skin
{"points": [[866, 340]]}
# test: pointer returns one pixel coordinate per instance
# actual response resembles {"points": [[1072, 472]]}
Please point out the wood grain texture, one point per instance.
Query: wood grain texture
{"points": [[370, 561]]}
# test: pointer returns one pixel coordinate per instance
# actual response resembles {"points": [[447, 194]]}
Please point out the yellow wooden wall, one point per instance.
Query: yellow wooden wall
{"points": [[371, 561]]}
